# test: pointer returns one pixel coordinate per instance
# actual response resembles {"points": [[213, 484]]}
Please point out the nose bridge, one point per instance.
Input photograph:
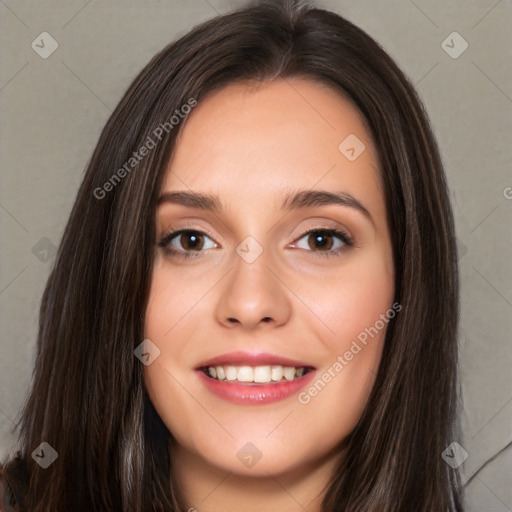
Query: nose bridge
{"points": [[252, 293]]}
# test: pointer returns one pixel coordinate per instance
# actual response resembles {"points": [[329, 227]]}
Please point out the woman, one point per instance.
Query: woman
{"points": [[199, 349]]}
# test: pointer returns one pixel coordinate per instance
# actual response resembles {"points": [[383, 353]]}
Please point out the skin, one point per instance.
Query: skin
{"points": [[249, 143]]}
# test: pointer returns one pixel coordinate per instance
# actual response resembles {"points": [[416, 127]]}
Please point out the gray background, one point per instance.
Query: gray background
{"points": [[53, 110]]}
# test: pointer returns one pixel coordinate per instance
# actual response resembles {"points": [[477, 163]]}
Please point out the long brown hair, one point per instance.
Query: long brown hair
{"points": [[88, 399]]}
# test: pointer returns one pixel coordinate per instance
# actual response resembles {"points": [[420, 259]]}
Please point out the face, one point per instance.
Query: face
{"points": [[291, 299]]}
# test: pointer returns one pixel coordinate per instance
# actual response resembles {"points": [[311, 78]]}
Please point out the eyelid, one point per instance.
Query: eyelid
{"points": [[325, 225], [188, 227], [338, 232]]}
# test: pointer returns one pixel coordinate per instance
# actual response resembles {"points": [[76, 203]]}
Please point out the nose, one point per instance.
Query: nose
{"points": [[253, 294]]}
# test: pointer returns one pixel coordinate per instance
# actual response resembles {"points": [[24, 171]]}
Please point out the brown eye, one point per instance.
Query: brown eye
{"points": [[191, 240], [320, 240], [185, 242]]}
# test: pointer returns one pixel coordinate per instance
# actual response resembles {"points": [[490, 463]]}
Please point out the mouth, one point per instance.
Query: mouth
{"points": [[250, 379], [255, 375]]}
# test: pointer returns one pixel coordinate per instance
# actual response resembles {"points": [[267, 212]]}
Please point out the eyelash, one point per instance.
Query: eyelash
{"points": [[166, 239]]}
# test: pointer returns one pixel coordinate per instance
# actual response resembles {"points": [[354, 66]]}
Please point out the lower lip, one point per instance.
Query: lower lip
{"points": [[255, 394]]}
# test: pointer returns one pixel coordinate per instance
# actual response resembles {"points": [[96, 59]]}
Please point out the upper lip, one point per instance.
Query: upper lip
{"points": [[252, 359]]}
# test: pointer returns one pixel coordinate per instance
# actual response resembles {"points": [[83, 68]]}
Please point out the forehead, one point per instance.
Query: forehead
{"points": [[248, 139]]}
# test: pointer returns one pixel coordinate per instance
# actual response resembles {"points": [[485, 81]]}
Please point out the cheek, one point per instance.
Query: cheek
{"points": [[355, 307], [352, 300], [175, 298], [161, 324], [175, 314]]}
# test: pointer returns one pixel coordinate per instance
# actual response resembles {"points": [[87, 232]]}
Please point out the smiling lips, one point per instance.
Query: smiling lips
{"points": [[255, 374], [246, 378]]}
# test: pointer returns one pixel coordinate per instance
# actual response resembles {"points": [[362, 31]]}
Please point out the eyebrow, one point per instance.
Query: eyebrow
{"points": [[291, 200]]}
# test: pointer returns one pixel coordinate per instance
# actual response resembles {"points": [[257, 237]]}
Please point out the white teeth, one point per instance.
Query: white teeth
{"points": [[220, 372], [258, 374], [262, 374], [230, 372], [245, 374], [277, 373], [289, 372]]}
